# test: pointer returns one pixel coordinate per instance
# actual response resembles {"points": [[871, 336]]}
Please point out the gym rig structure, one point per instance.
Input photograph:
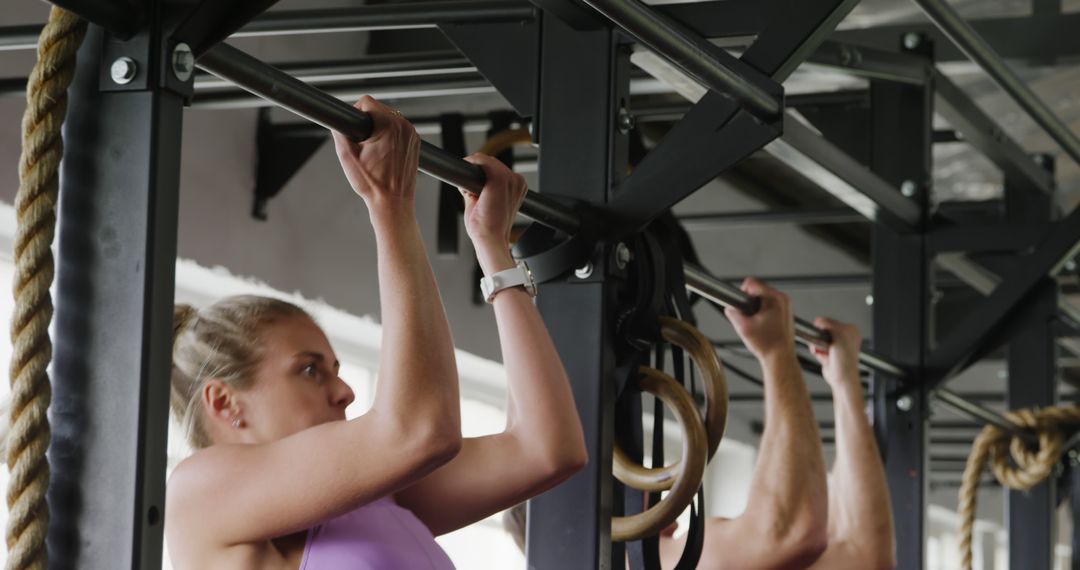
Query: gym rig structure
{"points": [[108, 461]]}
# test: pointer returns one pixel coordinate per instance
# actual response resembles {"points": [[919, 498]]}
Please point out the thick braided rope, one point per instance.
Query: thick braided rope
{"points": [[35, 205], [1014, 464]]}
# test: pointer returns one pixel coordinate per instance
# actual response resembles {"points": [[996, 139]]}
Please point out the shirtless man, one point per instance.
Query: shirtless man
{"points": [[791, 521]]}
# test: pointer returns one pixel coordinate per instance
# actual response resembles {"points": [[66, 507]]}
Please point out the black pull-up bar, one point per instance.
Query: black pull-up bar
{"points": [[724, 294], [321, 108]]}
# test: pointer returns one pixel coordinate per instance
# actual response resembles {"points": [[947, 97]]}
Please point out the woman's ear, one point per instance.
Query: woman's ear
{"points": [[219, 401]]}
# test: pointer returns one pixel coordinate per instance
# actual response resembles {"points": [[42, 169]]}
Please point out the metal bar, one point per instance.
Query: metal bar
{"points": [[1032, 349], [986, 135], [321, 108], [800, 217], [410, 64], [113, 325], [870, 63], [899, 127], [809, 281], [709, 65], [843, 176], [398, 88], [726, 295], [969, 41], [982, 413], [19, 37], [583, 153]]}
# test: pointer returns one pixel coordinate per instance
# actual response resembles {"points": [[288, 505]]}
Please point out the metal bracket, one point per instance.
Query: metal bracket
{"points": [[500, 51], [281, 150]]}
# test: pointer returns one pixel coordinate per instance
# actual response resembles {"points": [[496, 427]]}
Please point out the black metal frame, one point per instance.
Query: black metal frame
{"points": [[744, 110]]}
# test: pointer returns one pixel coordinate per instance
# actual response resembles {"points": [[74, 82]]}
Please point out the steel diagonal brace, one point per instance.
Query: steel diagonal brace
{"points": [[710, 138], [701, 145], [975, 333]]}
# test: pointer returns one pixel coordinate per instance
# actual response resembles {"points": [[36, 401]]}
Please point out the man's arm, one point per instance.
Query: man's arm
{"points": [[860, 516], [785, 523]]}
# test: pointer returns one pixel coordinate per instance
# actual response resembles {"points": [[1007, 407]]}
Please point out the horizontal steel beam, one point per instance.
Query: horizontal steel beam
{"points": [[871, 63], [411, 64], [765, 217]]}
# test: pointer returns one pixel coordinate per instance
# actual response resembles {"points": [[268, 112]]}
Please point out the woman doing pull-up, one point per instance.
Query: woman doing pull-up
{"points": [[280, 479]]}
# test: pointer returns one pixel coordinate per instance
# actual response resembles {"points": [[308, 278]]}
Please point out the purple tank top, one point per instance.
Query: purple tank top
{"points": [[377, 536]]}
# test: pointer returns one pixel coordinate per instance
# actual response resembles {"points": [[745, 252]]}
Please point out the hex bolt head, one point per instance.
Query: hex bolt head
{"points": [[622, 256], [627, 122], [123, 70], [183, 62], [1070, 265], [908, 188], [869, 300], [904, 403], [912, 40], [584, 272]]}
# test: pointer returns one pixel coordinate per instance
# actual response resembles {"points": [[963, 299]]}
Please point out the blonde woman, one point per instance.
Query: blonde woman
{"points": [[281, 480]]}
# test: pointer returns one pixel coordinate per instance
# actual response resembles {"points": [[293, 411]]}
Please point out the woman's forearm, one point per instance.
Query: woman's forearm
{"points": [[540, 404], [417, 370], [541, 411]]}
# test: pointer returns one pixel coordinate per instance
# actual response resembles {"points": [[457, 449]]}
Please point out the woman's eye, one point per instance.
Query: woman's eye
{"points": [[310, 370]]}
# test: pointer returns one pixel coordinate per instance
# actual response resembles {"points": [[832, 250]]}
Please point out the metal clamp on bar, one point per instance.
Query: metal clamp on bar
{"points": [[330, 112]]}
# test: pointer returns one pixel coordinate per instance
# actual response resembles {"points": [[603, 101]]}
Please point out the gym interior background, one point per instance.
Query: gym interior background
{"points": [[776, 214]]}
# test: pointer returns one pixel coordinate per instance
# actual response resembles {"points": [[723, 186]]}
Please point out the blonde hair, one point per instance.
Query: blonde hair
{"points": [[222, 342]]}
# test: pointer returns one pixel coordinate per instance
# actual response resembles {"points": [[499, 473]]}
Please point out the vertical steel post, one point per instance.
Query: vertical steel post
{"points": [[1030, 516], [583, 79], [900, 153], [114, 299]]}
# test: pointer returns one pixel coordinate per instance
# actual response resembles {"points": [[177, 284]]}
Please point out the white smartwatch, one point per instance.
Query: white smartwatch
{"points": [[517, 276]]}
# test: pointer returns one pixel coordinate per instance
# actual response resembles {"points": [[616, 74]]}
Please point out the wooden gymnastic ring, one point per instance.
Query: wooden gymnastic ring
{"points": [[690, 469], [701, 351], [505, 140]]}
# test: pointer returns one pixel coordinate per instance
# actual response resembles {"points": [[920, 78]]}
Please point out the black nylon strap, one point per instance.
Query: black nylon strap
{"points": [[452, 126]]}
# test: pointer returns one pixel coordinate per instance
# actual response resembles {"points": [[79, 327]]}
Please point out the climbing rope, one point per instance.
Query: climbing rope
{"points": [[35, 206], [1027, 468]]}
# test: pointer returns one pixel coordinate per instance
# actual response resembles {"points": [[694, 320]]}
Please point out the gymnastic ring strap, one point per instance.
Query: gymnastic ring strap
{"points": [[691, 466], [503, 141], [701, 351]]}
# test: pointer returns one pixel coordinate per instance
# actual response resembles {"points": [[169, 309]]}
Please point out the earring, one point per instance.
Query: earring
{"points": [[236, 423]]}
